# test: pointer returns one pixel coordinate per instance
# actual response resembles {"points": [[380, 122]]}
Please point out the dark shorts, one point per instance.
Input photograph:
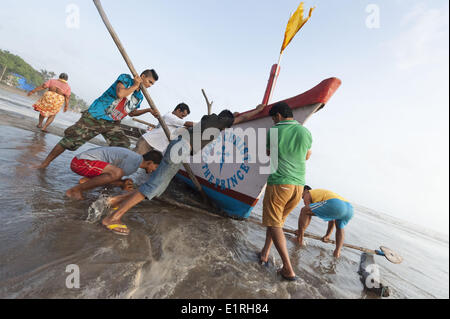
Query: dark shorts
{"points": [[88, 127]]}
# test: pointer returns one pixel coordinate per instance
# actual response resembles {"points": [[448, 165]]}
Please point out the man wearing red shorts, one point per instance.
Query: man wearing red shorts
{"points": [[107, 165]]}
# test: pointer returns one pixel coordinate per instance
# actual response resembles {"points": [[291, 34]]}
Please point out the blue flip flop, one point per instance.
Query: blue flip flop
{"points": [[295, 278], [262, 263]]}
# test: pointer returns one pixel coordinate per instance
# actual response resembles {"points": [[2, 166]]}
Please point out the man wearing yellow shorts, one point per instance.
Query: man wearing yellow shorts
{"points": [[328, 206], [285, 186]]}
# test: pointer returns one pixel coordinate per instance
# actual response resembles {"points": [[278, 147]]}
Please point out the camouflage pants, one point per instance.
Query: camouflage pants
{"points": [[88, 127]]}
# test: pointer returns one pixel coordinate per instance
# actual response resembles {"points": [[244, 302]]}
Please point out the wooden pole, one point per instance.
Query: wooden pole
{"points": [[144, 89], [277, 72], [208, 103], [387, 253], [289, 231], [145, 123]]}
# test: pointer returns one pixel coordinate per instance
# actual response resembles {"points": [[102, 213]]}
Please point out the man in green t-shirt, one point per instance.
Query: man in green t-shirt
{"points": [[285, 186]]}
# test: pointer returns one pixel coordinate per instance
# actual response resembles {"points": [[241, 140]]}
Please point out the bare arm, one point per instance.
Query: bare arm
{"points": [[122, 92], [66, 106], [245, 117], [39, 88], [140, 112], [189, 124], [307, 200], [308, 155], [330, 229]]}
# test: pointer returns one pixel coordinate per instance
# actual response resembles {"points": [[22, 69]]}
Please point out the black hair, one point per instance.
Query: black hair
{"points": [[64, 76], [183, 107], [151, 73], [281, 108], [226, 113], [307, 188], [154, 156]]}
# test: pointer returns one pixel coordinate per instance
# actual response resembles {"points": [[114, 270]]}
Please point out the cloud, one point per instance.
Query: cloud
{"points": [[424, 39]]}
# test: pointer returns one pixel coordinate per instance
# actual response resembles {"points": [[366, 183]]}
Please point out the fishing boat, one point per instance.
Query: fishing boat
{"points": [[235, 183], [235, 186]]}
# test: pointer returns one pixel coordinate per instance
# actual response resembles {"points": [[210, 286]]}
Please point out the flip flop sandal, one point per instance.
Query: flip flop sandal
{"points": [[262, 263], [116, 226], [295, 278]]}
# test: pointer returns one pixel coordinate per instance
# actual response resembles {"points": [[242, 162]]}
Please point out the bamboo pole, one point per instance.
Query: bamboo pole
{"points": [[315, 237], [144, 90], [385, 252], [144, 122]]}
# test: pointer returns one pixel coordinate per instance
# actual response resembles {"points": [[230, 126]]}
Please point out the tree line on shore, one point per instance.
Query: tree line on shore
{"points": [[13, 64]]}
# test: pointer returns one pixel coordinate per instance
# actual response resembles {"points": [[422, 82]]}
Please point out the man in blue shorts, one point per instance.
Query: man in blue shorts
{"points": [[330, 207]]}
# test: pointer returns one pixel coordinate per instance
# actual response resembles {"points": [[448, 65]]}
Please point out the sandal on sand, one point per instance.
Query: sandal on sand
{"points": [[114, 228], [295, 278], [261, 262]]}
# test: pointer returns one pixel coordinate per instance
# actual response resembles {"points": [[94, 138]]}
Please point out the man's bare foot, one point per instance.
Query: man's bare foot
{"points": [[75, 194], [337, 253], [325, 239], [44, 131], [39, 126], [301, 242]]}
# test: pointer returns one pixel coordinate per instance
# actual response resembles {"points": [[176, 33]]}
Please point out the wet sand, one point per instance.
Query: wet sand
{"points": [[177, 253]]}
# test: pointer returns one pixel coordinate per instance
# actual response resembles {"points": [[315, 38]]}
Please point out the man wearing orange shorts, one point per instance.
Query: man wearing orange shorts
{"points": [[284, 186], [107, 165]]}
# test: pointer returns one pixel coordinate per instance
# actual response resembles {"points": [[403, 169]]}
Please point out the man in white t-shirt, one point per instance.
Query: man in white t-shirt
{"points": [[156, 139]]}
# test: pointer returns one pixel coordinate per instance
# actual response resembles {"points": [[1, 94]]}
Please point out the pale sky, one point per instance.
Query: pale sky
{"points": [[382, 140]]}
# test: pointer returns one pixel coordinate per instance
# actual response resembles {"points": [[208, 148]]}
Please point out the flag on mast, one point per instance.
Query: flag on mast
{"points": [[296, 22]]}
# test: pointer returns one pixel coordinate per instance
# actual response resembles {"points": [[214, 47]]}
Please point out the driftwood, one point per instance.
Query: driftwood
{"points": [[208, 103]]}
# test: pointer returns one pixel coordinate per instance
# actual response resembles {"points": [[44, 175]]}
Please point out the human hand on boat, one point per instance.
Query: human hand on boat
{"points": [[128, 185], [260, 107], [155, 113]]}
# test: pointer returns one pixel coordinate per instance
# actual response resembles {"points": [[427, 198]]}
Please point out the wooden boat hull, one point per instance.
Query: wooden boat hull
{"points": [[237, 176]]}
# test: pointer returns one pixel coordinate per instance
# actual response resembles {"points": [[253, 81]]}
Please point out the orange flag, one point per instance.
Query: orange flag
{"points": [[296, 22]]}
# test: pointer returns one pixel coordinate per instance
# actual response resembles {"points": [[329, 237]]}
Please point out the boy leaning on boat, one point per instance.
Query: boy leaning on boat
{"points": [[156, 138], [122, 98], [284, 186], [187, 142]]}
